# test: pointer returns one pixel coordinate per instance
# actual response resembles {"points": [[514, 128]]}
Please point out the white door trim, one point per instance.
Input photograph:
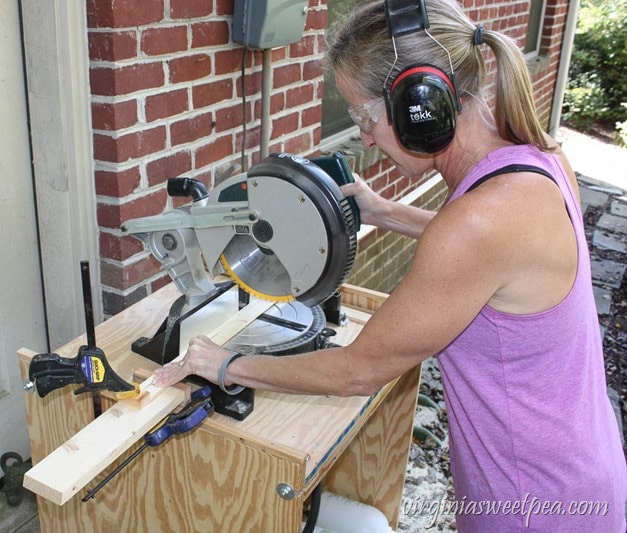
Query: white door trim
{"points": [[57, 70]]}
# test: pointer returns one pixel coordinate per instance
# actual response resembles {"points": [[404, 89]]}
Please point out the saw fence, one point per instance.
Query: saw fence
{"points": [[227, 475]]}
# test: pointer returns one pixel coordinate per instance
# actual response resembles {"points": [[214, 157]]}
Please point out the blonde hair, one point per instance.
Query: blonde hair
{"points": [[361, 50]]}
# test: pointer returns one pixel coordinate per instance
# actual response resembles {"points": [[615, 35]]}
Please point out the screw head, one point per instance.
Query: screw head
{"points": [[285, 491]]}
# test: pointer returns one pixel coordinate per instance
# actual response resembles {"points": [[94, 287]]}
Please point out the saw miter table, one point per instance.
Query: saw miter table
{"points": [[286, 236]]}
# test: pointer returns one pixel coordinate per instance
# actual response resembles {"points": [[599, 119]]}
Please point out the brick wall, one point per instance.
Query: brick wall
{"points": [[167, 101]]}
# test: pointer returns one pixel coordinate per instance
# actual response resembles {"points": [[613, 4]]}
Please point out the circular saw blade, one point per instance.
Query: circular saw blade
{"points": [[251, 266], [303, 244]]}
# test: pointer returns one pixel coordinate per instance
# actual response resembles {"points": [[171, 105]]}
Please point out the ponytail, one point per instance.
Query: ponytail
{"points": [[515, 111]]}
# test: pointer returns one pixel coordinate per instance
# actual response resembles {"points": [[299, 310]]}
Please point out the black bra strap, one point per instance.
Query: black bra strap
{"points": [[508, 170]]}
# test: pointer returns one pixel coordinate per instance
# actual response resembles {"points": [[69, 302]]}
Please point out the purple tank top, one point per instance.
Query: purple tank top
{"points": [[534, 442]]}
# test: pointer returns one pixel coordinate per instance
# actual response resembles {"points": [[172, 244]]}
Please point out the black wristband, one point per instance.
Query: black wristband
{"points": [[236, 389]]}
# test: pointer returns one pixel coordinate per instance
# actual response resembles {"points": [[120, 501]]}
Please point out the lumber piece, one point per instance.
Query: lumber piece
{"points": [[64, 472], [362, 298], [231, 327], [60, 475]]}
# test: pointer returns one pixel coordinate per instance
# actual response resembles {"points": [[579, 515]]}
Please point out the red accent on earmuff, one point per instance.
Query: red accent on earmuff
{"points": [[424, 69]]}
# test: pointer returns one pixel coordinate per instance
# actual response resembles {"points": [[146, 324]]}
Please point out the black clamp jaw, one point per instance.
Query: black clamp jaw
{"points": [[90, 368]]}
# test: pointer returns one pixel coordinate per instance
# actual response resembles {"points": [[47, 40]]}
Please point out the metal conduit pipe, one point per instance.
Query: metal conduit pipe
{"points": [[266, 88], [562, 73]]}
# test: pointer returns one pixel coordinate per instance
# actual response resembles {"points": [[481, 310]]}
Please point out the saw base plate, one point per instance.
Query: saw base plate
{"points": [[286, 328]]}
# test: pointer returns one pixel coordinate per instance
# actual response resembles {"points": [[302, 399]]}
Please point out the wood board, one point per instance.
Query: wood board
{"points": [[64, 472]]}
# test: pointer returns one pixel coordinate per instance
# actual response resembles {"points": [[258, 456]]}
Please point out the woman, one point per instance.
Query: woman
{"points": [[499, 286]]}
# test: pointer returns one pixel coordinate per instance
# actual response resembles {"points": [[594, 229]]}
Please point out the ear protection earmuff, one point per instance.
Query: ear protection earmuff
{"points": [[422, 108], [422, 101]]}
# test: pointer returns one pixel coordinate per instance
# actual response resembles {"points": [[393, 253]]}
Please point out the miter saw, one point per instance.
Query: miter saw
{"points": [[282, 232]]}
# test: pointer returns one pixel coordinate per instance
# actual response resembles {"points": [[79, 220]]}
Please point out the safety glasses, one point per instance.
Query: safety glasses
{"points": [[366, 116]]}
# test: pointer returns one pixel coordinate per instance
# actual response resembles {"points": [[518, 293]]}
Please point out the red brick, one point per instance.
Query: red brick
{"points": [[112, 46], [228, 61], [211, 33], [303, 48], [286, 75], [159, 283], [229, 118], [216, 150], [311, 116], [113, 215], [253, 138], [211, 93], [191, 129], [170, 166], [277, 104], [284, 125], [157, 41], [316, 19], [313, 70], [166, 105], [184, 9], [301, 144], [123, 278], [117, 184], [126, 80], [131, 146], [253, 84], [114, 116], [300, 95], [278, 54], [123, 13], [189, 68], [224, 7], [119, 248], [317, 135], [104, 147]]}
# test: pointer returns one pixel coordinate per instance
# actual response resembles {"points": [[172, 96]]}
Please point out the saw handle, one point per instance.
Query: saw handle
{"points": [[187, 187], [336, 166]]}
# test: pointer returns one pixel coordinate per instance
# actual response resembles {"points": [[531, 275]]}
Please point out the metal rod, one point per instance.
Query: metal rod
{"points": [[92, 493], [88, 306], [266, 90]]}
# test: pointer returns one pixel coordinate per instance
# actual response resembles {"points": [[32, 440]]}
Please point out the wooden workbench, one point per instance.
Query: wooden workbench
{"points": [[223, 476]]}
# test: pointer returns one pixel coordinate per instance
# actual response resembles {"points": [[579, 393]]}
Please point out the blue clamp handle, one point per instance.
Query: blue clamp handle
{"points": [[185, 420]]}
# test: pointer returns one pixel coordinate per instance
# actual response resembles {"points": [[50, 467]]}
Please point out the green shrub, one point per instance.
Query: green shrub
{"points": [[621, 131], [597, 87]]}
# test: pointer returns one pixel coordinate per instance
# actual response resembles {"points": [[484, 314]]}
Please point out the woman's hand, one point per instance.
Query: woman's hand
{"points": [[387, 214], [369, 202], [203, 358]]}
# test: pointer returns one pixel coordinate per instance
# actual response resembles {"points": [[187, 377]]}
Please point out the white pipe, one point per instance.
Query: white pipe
{"points": [[266, 88], [562, 73]]}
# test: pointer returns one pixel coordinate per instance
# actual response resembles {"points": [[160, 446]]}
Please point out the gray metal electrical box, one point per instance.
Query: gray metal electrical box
{"points": [[263, 24]]}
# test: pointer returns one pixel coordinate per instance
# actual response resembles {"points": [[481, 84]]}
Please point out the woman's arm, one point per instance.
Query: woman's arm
{"points": [[387, 214]]}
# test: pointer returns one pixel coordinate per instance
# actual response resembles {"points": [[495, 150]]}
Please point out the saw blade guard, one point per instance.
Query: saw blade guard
{"points": [[303, 244]]}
